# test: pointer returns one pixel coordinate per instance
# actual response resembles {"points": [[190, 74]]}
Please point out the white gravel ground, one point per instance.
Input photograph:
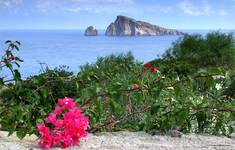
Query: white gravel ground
{"points": [[129, 141]]}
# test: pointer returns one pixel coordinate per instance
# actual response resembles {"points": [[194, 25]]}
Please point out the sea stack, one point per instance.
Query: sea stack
{"points": [[91, 31], [126, 26]]}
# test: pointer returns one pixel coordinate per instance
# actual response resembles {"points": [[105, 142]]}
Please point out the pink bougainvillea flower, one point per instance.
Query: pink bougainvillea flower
{"points": [[46, 141], [66, 127], [56, 138], [67, 139], [43, 130], [67, 103], [58, 124], [51, 118], [58, 110]]}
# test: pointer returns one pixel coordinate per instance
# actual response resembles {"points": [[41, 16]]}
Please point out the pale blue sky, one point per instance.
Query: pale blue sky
{"points": [[78, 14]]}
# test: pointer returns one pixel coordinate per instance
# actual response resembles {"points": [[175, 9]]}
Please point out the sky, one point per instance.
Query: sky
{"points": [[78, 14]]}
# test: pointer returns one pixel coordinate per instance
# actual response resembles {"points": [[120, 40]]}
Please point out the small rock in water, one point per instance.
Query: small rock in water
{"points": [[91, 31]]}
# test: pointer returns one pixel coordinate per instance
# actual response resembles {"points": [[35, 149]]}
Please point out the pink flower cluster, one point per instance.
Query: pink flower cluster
{"points": [[64, 127]]}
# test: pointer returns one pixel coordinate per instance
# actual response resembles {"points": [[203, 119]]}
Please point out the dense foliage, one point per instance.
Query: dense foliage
{"points": [[214, 49], [118, 93]]}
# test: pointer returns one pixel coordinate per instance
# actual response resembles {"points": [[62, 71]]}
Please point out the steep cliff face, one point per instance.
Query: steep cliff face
{"points": [[91, 31], [125, 26]]}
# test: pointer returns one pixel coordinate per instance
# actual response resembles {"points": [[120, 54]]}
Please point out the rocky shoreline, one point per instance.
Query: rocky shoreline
{"points": [[128, 141]]}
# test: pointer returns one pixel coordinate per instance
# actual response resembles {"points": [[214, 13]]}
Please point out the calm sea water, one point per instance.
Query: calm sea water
{"points": [[72, 48]]}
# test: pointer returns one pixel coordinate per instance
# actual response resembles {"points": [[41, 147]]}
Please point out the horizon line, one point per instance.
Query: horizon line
{"points": [[105, 29]]}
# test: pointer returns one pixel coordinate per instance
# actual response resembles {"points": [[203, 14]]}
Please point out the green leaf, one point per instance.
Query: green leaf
{"points": [[116, 86], [16, 47], [148, 122], [21, 133], [155, 108], [87, 93], [8, 41], [78, 100], [181, 117], [18, 59], [166, 123], [177, 90], [156, 92], [17, 64], [98, 89], [194, 85], [1, 83], [116, 96], [17, 75], [210, 82], [216, 70], [201, 120], [202, 71], [45, 93], [10, 132], [17, 42], [204, 101], [114, 105]]}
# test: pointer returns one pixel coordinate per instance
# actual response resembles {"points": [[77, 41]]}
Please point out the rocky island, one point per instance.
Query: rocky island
{"points": [[126, 26], [91, 31]]}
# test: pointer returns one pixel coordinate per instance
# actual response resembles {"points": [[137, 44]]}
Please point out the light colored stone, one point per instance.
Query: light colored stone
{"points": [[232, 136], [128, 141]]}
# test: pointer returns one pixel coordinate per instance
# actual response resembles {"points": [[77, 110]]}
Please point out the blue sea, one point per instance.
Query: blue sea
{"points": [[71, 48]]}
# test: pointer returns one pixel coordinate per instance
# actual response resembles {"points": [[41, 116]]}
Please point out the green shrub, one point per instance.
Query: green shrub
{"points": [[118, 93], [215, 49], [173, 68], [27, 102]]}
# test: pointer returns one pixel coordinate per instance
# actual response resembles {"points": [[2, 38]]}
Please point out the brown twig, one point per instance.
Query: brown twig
{"points": [[118, 121]]}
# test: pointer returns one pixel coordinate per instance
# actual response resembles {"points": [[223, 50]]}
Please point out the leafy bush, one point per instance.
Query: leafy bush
{"points": [[28, 101], [9, 61], [215, 49], [159, 102], [174, 68], [119, 93]]}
